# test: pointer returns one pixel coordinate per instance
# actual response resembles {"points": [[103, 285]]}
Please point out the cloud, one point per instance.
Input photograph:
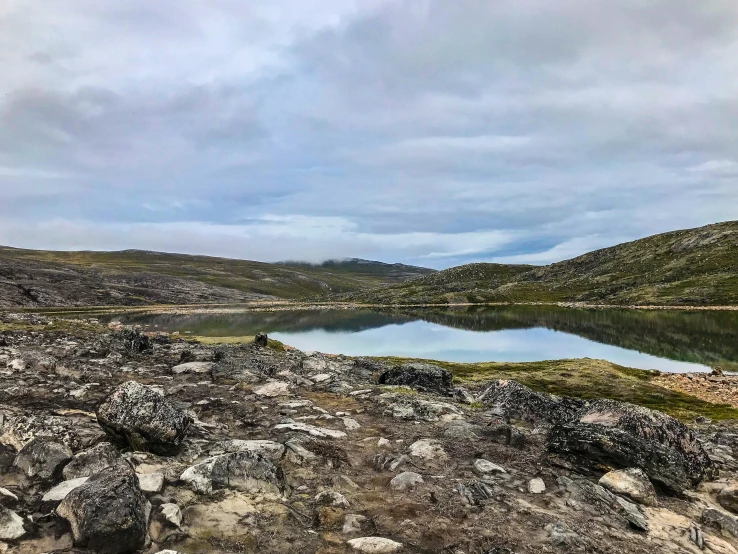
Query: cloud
{"points": [[423, 131]]}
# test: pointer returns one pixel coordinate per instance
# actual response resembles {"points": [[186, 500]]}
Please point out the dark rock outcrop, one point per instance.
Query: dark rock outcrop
{"points": [[609, 434], [511, 400], [143, 419], [261, 339], [245, 471], [424, 377], [43, 459], [108, 514], [92, 461]]}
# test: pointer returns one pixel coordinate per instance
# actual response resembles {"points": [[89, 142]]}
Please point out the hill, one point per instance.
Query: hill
{"points": [[689, 267], [45, 278]]}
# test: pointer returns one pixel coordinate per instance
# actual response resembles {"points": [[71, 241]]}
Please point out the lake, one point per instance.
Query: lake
{"points": [[674, 341]]}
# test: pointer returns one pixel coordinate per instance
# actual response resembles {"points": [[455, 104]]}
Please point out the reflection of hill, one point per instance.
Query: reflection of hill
{"points": [[250, 323], [709, 338]]}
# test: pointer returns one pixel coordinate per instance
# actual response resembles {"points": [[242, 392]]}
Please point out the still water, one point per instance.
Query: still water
{"points": [[674, 341]]}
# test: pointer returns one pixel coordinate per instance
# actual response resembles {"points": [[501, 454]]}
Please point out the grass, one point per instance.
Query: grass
{"points": [[588, 379]]}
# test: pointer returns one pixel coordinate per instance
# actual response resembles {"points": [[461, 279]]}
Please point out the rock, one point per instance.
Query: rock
{"points": [[269, 449], [476, 493], [7, 498], [696, 536], [108, 514], [619, 435], [11, 525], [151, 482], [143, 419], [351, 424], [403, 406], [512, 400], [725, 523], [728, 498], [43, 459], [261, 339], [560, 535], [407, 480], [375, 545], [273, 389], [17, 431], [484, 467], [313, 431], [425, 377], [536, 486], [172, 514], [353, 523], [92, 461], [194, 367], [632, 483], [244, 471], [133, 341], [603, 501], [427, 449], [332, 498], [60, 492]]}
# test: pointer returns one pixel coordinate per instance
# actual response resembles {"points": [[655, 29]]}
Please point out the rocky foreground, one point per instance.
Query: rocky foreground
{"points": [[116, 442]]}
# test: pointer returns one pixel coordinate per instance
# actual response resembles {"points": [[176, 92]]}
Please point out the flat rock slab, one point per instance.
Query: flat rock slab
{"points": [[11, 525], [243, 471], [375, 545], [194, 367], [151, 482], [269, 449], [428, 449], [312, 430], [273, 389], [60, 492]]}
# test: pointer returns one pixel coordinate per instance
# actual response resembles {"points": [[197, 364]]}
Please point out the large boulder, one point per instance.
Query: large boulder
{"points": [[632, 483], [92, 461], [43, 459], [18, 430], [246, 471], [511, 400], [143, 419], [424, 377], [108, 514], [608, 434]]}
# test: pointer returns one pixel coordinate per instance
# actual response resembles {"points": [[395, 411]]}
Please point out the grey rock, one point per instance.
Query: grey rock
{"points": [[261, 339], [375, 545], [109, 513], [332, 498], [485, 467], [353, 523], [150, 482], [425, 377], [269, 449], [476, 493], [727, 524], [43, 459], [536, 486], [11, 525], [405, 481], [560, 535], [193, 367], [512, 400], [244, 471], [172, 514], [728, 498], [60, 492], [92, 461], [143, 419], [604, 502], [17, 431]]}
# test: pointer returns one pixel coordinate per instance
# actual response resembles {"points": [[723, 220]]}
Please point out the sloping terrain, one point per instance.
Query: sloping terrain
{"points": [[689, 267], [43, 278]]}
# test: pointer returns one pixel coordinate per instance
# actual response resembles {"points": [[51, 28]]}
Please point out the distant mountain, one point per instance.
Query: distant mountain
{"points": [[690, 267], [137, 277]]}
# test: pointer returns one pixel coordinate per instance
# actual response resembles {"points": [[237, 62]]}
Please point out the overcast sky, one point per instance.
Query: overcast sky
{"points": [[433, 132]]}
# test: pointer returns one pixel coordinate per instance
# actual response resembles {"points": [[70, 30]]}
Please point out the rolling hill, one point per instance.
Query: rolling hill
{"points": [[690, 267], [35, 278]]}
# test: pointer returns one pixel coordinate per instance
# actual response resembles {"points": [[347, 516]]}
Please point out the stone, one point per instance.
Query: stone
{"points": [[476, 493], [11, 525], [375, 545], [243, 471], [60, 492], [92, 461], [560, 535], [43, 459], [485, 467], [172, 514], [7, 498], [620, 435], [353, 523], [194, 367], [421, 376], [109, 513], [407, 480], [427, 449], [603, 501], [351, 424], [261, 339], [332, 498], [727, 524], [383, 443], [273, 389], [512, 400], [143, 419], [269, 449], [312, 430], [151, 482], [632, 483], [536, 486], [17, 431], [728, 498]]}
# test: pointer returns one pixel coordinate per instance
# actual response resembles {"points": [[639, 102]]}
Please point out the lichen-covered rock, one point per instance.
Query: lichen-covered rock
{"points": [[43, 459], [108, 514], [407, 480], [92, 461], [11, 525], [244, 471], [375, 545], [425, 377], [512, 400], [632, 483], [611, 434], [60, 492], [18, 430], [143, 419]]}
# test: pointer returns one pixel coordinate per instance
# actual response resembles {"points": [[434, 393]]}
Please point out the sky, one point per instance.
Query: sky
{"points": [[430, 132]]}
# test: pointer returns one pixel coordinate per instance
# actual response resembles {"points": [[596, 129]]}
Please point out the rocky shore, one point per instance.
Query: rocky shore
{"points": [[113, 441]]}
